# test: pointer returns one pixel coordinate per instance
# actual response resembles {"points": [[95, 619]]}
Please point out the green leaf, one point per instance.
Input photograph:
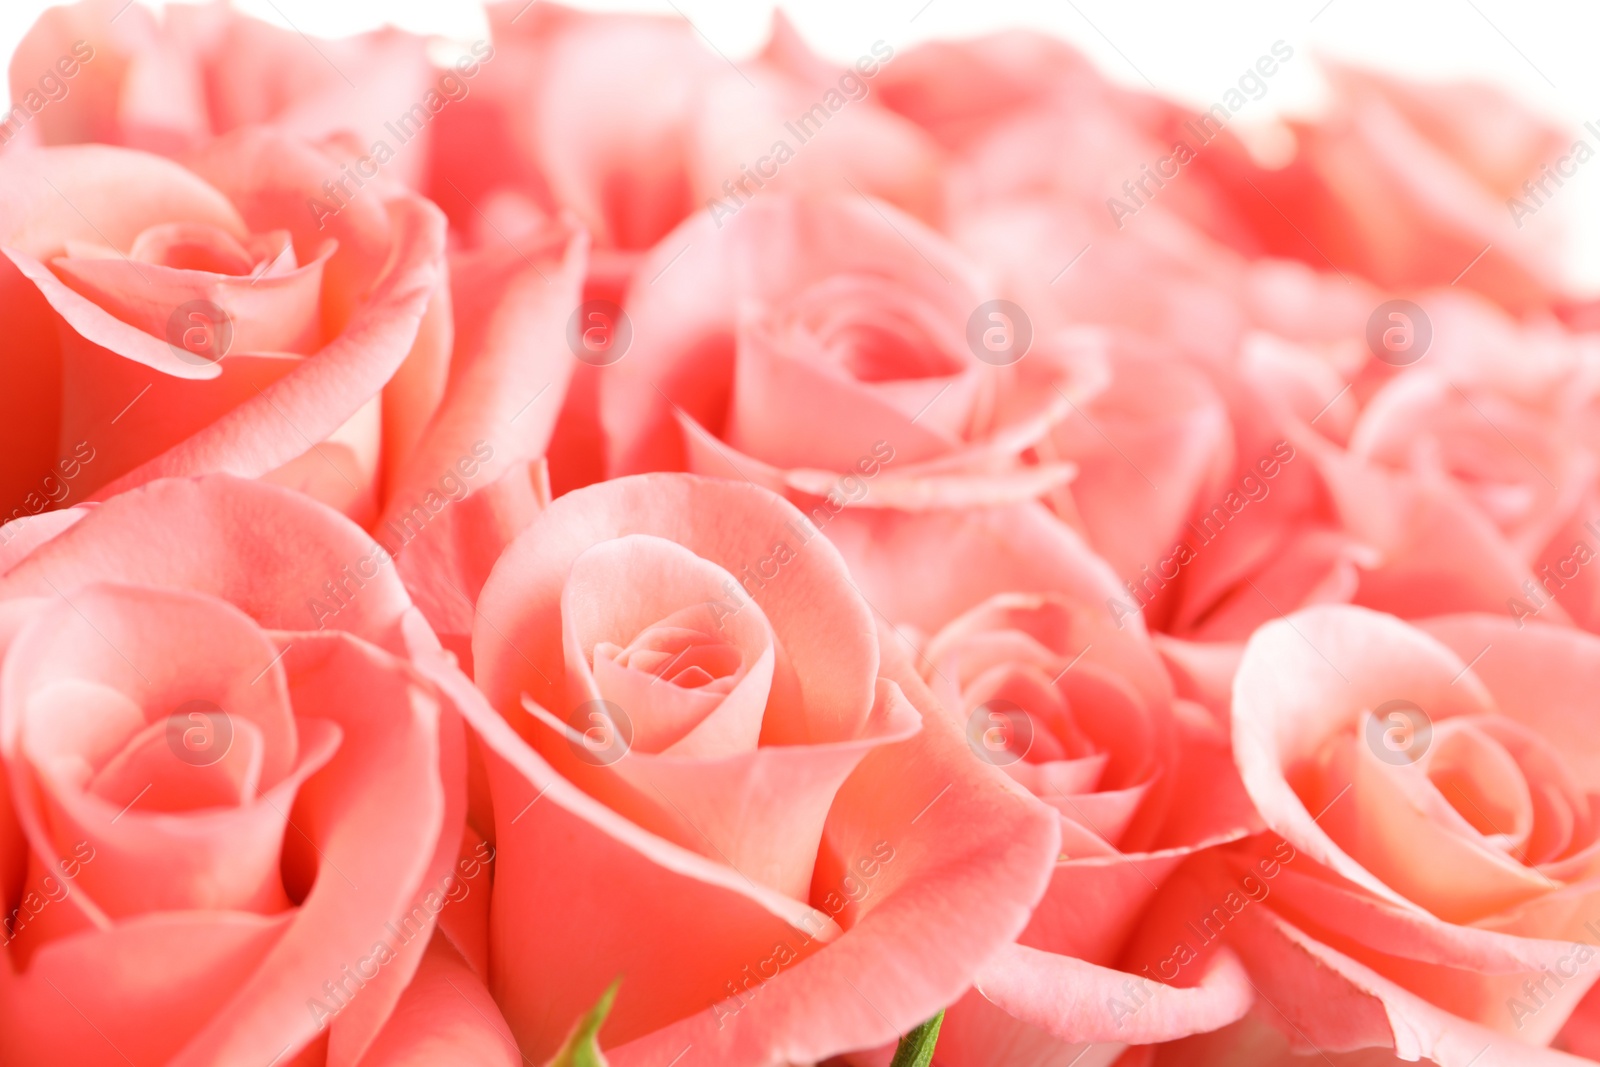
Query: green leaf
{"points": [[916, 1048], [582, 1046]]}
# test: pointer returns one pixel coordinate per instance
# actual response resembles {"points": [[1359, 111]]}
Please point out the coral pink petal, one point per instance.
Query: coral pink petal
{"points": [[445, 1015], [1078, 1001], [737, 527], [507, 381], [1308, 679]]}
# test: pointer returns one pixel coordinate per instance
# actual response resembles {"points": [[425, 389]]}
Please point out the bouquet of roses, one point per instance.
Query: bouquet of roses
{"points": [[569, 548]]}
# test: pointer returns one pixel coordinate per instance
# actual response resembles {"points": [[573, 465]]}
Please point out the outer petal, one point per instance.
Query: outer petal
{"points": [[508, 378], [445, 1016], [1078, 1001], [292, 544], [684, 317], [1328, 1000], [275, 410], [965, 844], [1019, 547], [823, 626], [1306, 678]]}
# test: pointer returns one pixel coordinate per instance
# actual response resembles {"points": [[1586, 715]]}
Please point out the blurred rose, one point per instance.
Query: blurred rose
{"points": [[1401, 183], [1472, 474], [172, 83], [1436, 482], [633, 124], [1406, 184]]}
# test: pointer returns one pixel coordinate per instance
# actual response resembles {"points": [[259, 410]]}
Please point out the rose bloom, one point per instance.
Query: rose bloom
{"points": [[171, 84], [1225, 346], [1433, 787], [188, 319], [1191, 476], [227, 834], [761, 822], [632, 125], [1474, 478], [1442, 484], [863, 369], [1075, 706]]}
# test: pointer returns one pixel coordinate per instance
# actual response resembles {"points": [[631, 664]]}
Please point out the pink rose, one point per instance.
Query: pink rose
{"points": [[1416, 482], [768, 830], [183, 320], [217, 318], [1249, 352], [200, 71], [1076, 707], [1432, 788], [632, 125], [1475, 481], [1405, 184], [226, 835], [1187, 480], [863, 368]]}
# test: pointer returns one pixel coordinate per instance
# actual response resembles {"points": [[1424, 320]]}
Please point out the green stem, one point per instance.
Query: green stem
{"points": [[916, 1048]]}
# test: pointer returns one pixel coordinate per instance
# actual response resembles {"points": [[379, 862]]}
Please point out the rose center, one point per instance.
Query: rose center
{"points": [[196, 246], [1484, 784], [876, 332], [680, 656]]}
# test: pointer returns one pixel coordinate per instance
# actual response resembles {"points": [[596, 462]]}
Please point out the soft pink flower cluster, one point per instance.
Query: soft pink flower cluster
{"points": [[801, 546]]}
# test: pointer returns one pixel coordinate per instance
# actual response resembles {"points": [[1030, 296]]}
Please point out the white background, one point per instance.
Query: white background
{"points": [[1542, 51]]}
